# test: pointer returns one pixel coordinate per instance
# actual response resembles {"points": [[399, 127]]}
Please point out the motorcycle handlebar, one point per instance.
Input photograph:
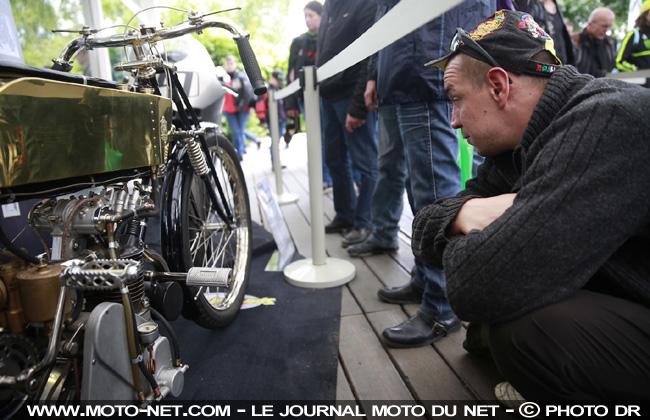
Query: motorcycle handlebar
{"points": [[195, 24], [250, 64]]}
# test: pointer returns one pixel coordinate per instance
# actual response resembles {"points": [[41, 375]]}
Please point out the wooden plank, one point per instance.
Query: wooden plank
{"points": [[299, 228], [404, 256], [427, 374], [365, 284], [372, 375], [478, 373], [345, 396], [349, 305], [390, 273], [343, 390]]}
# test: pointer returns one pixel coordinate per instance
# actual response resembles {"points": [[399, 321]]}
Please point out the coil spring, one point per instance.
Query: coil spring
{"points": [[197, 157]]}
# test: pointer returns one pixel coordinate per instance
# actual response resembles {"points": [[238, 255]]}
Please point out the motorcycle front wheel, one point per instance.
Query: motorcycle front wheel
{"points": [[198, 237]]}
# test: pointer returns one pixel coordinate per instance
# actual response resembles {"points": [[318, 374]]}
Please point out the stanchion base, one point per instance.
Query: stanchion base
{"points": [[335, 272], [286, 198]]}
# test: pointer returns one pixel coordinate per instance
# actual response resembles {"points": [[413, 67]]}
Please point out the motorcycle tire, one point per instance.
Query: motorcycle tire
{"points": [[196, 236]]}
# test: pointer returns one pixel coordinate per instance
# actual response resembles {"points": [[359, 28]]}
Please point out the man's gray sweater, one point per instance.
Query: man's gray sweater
{"points": [[582, 209]]}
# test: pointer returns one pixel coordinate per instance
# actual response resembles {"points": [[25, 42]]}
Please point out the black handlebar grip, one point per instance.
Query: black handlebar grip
{"points": [[250, 64]]}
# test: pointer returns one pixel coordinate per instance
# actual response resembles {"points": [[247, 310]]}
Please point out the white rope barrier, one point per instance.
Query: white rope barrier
{"points": [[408, 15], [274, 127]]}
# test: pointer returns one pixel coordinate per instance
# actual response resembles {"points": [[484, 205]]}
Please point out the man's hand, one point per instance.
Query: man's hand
{"points": [[352, 123], [293, 113], [370, 95], [478, 213]]}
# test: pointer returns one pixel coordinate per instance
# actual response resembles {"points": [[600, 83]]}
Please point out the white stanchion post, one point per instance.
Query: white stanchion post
{"points": [[274, 128], [318, 271]]}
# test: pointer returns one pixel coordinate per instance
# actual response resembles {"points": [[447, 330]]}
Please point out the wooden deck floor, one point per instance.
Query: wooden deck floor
{"points": [[368, 370]]}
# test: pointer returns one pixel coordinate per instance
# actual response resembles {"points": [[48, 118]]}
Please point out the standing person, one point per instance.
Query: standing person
{"points": [[595, 50], [549, 244], [418, 150], [237, 110], [262, 106], [549, 16], [348, 126], [302, 53], [634, 53]]}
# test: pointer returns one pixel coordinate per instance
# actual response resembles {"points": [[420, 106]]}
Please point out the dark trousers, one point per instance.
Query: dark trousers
{"points": [[589, 346]]}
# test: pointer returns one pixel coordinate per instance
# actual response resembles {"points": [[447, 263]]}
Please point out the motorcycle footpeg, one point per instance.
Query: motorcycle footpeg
{"points": [[206, 276], [100, 274]]}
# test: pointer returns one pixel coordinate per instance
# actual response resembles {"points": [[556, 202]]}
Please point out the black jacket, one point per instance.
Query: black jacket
{"points": [[301, 53], [595, 57], [399, 68], [342, 23], [581, 209]]}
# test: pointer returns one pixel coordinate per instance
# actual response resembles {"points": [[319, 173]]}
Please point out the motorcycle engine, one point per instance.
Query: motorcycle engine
{"points": [[29, 297]]}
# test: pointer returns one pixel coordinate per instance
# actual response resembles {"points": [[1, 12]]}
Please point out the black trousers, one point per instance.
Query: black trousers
{"points": [[589, 346]]}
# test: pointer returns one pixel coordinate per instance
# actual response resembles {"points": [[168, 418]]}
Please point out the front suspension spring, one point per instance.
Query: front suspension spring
{"points": [[197, 158]]}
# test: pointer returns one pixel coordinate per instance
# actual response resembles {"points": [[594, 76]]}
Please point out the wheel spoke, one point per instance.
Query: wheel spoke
{"points": [[214, 242]]}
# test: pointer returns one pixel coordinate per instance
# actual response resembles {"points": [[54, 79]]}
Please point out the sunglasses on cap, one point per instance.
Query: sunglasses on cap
{"points": [[461, 38]]}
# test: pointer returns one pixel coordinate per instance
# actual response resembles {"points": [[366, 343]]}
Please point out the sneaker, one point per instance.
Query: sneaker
{"points": [[508, 396], [356, 236], [368, 248]]}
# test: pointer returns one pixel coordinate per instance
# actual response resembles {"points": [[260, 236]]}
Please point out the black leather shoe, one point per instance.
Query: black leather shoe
{"points": [[418, 331], [477, 339], [356, 236], [401, 295], [368, 248], [336, 226]]}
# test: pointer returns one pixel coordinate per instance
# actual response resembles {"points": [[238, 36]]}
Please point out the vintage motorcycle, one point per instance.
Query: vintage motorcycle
{"points": [[106, 160]]}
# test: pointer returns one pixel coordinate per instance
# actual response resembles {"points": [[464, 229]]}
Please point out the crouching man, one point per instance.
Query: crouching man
{"points": [[550, 243]]}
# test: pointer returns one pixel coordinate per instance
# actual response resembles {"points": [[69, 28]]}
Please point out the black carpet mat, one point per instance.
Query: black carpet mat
{"points": [[287, 350]]}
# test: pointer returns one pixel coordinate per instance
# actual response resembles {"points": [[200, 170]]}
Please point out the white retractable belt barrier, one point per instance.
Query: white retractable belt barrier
{"points": [[408, 15], [274, 127]]}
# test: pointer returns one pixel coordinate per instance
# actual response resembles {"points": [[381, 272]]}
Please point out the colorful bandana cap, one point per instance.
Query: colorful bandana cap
{"points": [[510, 39]]}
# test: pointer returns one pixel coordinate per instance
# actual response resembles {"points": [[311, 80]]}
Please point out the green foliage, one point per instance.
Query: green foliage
{"points": [[34, 21], [261, 18]]}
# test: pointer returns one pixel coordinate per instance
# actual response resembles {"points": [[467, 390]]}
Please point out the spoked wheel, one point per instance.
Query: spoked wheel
{"points": [[17, 353], [199, 237]]}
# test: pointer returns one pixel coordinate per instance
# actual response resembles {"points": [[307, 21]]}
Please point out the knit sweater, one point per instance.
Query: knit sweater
{"points": [[581, 211]]}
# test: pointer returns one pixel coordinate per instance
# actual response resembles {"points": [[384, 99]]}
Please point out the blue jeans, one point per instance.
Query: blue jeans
{"points": [[237, 122], [418, 150], [250, 136], [344, 152]]}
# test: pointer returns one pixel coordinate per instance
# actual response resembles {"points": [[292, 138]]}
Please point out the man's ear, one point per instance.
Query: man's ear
{"points": [[498, 81]]}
